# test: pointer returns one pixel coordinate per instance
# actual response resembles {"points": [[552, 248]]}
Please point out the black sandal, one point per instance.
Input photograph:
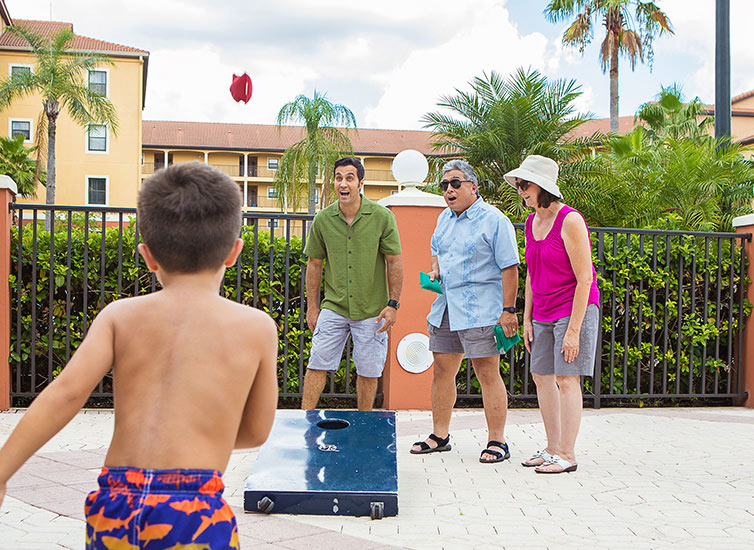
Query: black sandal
{"points": [[499, 457], [442, 445]]}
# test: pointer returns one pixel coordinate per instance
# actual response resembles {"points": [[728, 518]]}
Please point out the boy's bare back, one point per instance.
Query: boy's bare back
{"points": [[194, 376]]}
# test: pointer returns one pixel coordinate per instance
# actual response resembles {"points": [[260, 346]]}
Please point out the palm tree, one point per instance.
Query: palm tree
{"points": [[59, 76], [501, 121], [670, 117], [626, 33], [316, 153], [16, 162], [687, 184]]}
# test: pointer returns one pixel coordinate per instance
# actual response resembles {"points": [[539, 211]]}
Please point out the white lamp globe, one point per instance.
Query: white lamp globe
{"points": [[410, 166]]}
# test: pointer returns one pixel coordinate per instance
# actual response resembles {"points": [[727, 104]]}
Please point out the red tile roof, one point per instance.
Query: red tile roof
{"points": [[587, 129], [49, 28], [741, 97], [262, 137]]}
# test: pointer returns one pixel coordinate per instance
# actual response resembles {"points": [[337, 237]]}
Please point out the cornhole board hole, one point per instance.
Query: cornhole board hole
{"points": [[326, 462]]}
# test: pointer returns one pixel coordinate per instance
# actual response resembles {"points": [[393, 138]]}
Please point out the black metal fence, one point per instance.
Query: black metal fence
{"points": [[672, 304]]}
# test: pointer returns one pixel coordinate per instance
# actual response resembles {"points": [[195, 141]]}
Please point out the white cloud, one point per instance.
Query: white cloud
{"points": [[484, 41], [389, 61]]}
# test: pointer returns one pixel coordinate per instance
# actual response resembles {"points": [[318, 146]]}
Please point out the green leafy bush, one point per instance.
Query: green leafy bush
{"points": [[678, 287]]}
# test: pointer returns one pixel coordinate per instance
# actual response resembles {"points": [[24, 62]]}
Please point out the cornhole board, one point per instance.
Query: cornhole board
{"points": [[326, 462]]}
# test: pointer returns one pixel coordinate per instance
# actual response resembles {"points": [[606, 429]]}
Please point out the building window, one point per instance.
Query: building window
{"points": [[272, 223], [272, 164], [272, 193], [96, 190], [251, 195], [98, 82], [19, 69], [20, 126], [159, 160], [252, 167], [97, 138]]}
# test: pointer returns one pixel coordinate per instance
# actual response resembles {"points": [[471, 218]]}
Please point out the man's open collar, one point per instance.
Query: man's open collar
{"points": [[367, 207], [472, 211]]}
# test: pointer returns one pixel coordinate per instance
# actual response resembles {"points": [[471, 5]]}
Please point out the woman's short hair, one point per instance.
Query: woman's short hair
{"points": [[546, 198]]}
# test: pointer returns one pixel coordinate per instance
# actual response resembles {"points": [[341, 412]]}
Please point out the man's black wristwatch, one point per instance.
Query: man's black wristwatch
{"points": [[511, 309], [393, 303]]}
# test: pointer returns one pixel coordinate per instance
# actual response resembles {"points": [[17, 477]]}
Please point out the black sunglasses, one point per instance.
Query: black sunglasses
{"points": [[522, 184], [455, 182]]}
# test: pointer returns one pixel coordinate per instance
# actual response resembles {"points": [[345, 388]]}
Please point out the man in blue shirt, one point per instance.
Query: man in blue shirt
{"points": [[475, 258]]}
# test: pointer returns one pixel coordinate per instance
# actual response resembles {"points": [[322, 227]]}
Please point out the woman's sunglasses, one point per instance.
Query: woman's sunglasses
{"points": [[522, 184], [455, 182]]}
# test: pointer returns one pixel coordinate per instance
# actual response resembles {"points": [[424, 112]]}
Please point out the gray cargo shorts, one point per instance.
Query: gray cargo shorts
{"points": [[546, 357], [472, 342], [330, 335]]}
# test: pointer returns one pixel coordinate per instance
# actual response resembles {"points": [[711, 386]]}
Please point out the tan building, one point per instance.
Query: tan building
{"points": [[94, 166], [250, 154]]}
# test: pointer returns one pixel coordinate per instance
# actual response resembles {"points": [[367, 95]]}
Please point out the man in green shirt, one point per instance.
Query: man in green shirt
{"points": [[357, 241]]}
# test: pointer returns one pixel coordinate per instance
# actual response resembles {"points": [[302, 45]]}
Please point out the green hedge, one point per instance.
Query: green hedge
{"points": [[628, 280]]}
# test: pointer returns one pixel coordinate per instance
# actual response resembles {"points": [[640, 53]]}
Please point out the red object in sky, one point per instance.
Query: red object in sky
{"points": [[240, 89]]}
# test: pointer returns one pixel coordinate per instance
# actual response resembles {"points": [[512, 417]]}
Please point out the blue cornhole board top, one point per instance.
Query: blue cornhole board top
{"points": [[308, 469]]}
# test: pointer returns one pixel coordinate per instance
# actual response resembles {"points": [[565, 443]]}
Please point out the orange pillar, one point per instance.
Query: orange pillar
{"points": [[416, 218], [7, 194], [745, 224]]}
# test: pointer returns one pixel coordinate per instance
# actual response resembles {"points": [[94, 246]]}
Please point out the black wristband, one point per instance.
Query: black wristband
{"points": [[394, 304]]}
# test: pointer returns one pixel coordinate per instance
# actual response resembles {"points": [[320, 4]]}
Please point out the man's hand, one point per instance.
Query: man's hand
{"points": [[312, 314], [509, 322], [387, 315], [528, 335]]}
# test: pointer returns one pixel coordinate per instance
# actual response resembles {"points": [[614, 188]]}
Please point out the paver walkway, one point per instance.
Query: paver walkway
{"points": [[647, 478]]}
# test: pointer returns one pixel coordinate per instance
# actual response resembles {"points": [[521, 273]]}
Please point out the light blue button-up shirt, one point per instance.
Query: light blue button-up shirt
{"points": [[472, 249]]}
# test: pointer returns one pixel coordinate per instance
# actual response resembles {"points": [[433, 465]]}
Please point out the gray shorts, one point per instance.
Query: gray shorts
{"points": [[546, 357], [472, 342], [330, 335]]}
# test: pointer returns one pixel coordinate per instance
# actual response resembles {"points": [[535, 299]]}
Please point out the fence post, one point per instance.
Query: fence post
{"points": [[745, 224], [8, 192]]}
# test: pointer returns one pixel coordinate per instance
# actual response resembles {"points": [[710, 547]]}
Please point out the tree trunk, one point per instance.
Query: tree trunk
{"points": [[614, 89], [615, 25], [312, 188], [51, 111]]}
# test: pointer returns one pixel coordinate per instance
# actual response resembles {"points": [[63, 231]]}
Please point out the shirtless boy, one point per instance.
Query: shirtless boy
{"points": [[194, 376]]}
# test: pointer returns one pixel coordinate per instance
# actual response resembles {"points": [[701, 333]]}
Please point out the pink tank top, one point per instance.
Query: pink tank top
{"points": [[553, 282]]}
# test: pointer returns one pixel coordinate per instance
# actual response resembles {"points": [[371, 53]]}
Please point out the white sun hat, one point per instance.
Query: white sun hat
{"points": [[537, 169]]}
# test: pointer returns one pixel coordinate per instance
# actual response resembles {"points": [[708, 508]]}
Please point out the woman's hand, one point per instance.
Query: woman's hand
{"points": [[570, 349], [528, 335], [434, 275]]}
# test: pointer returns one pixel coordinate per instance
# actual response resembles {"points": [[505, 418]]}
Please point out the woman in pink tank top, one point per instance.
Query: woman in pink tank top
{"points": [[561, 313]]}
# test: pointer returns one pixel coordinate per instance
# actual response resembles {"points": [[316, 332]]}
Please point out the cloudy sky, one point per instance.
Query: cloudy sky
{"points": [[388, 61]]}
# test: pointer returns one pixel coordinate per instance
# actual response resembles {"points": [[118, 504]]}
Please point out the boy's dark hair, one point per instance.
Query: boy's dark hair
{"points": [[189, 215], [350, 161]]}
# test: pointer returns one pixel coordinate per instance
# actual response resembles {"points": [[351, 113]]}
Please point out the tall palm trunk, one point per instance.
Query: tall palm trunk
{"points": [[52, 110], [312, 188], [614, 22]]}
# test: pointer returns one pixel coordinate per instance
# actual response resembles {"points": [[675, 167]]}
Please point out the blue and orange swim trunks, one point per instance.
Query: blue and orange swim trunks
{"points": [[140, 509]]}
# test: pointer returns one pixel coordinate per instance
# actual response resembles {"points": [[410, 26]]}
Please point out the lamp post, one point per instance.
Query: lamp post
{"points": [[410, 168]]}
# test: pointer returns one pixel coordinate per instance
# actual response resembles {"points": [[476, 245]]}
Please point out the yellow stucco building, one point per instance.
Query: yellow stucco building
{"points": [[94, 166]]}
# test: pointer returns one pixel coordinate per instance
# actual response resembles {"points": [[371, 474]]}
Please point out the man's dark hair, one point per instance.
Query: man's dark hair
{"points": [[350, 161], [189, 215]]}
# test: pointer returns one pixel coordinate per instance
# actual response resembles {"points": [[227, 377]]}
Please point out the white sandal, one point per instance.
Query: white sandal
{"points": [[565, 466], [543, 454]]}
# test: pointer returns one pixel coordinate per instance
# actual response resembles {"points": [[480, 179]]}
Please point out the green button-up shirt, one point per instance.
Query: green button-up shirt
{"points": [[354, 257]]}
